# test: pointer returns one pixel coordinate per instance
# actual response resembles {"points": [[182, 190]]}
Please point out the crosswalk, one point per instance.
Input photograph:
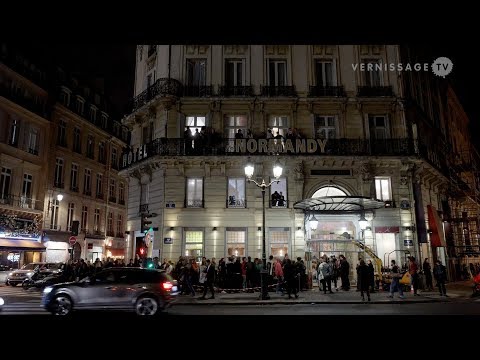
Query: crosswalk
{"points": [[24, 308], [19, 301], [19, 292]]}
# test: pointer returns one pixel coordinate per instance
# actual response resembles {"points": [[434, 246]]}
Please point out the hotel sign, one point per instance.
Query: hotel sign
{"points": [[134, 156], [298, 146]]}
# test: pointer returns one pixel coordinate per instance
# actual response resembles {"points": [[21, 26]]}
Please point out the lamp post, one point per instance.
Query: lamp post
{"points": [[277, 172]]}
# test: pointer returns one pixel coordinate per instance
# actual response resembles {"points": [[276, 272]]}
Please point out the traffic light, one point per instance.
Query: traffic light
{"points": [[142, 251], [75, 225], [146, 224], [149, 263]]}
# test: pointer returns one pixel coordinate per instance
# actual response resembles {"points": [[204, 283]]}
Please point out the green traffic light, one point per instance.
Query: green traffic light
{"points": [[150, 265]]}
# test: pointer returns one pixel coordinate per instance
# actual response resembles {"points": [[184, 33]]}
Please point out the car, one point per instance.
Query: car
{"points": [[143, 291], [18, 276], [2, 302]]}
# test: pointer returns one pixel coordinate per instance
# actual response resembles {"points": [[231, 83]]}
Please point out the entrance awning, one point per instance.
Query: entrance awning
{"points": [[339, 204], [21, 245]]}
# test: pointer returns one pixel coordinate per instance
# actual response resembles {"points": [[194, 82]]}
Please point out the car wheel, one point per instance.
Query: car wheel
{"points": [[61, 305], [13, 284], [147, 305]]}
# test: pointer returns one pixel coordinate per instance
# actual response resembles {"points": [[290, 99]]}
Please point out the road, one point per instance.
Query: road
{"points": [[27, 302]]}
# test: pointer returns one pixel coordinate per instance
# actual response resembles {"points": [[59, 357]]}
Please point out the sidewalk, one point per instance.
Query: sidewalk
{"points": [[457, 290]]}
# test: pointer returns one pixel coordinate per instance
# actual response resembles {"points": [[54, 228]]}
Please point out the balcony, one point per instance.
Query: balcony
{"points": [[232, 202], [120, 235], [121, 202], [326, 91], [33, 151], [278, 204], [236, 91], [161, 87], [23, 101], [198, 91], [112, 199], [87, 192], [375, 91], [99, 196], [74, 188], [6, 199], [193, 203], [59, 185], [275, 91]]}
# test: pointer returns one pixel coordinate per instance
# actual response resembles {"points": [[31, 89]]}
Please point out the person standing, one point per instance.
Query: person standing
{"points": [[371, 276], [413, 270], [344, 272], [440, 273], [364, 279], [427, 271], [209, 280], [290, 278], [395, 284]]}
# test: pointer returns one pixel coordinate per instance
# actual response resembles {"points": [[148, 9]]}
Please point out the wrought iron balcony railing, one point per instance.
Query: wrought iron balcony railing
{"points": [[273, 91], [325, 91], [198, 91], [22, 202], [33, 151], [25, 102], [240, 91], [190, 203], [278, 204], [232, 202], [161, 87], [375, 91]]}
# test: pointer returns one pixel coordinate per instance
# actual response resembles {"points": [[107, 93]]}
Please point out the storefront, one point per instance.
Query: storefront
{"points": [[16, 252]]}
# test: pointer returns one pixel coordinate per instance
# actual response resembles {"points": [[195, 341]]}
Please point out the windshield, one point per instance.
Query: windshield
{"points": [[31, 266]]}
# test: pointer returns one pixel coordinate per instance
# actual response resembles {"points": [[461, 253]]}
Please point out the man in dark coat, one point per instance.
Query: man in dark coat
{"points": [[289, 274], [364, 279], [344, 272], [209, 281], [440, 273]]}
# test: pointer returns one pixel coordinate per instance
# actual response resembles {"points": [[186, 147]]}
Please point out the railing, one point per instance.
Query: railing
{"points": [[33, 151], [198, 91], [193, 203], [332, 91], [120, 235], [59, 185], [21, 202], [240, 91], [27, 103], [74, 188], [161, 87], [375, 91], [112, 199], [232, 202], [273, 91], [278, 204]]}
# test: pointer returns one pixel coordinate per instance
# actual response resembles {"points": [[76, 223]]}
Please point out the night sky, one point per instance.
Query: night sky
{"points": [[116, 63]]}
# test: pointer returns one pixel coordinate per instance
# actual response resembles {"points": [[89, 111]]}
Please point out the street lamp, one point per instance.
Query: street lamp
{"points": [[59, 197], [313, 223], [277, 172]]}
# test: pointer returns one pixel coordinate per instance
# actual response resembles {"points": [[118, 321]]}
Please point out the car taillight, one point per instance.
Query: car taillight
{"points": [[167, 285]]}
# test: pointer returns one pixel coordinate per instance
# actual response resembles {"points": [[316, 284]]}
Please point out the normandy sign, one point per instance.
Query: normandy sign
{"points": [[299, 146]]}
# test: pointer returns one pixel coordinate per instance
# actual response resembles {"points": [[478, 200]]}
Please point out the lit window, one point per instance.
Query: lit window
{"points": [[235, 241], [278, 194], [194, 193], [194, 244], [236, 193], [383, 188], [278, 241]]}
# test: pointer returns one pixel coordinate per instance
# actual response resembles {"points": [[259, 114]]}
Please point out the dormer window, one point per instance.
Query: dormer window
{"points": [[65, 96], [104, 120], [93, 113], [80, 105]]}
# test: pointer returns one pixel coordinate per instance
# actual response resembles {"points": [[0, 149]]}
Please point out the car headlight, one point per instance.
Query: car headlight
{"points": [[1, 301], [29, 273], [47, 290], [10, 274]]}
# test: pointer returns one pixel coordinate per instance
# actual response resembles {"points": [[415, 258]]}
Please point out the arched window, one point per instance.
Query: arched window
{"points": [[329, 191]]}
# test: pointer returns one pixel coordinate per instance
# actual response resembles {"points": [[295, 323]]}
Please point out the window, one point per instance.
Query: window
{"points": [[74, 177], [14, 133], [93, 114], [196, 72], [5, 179], [151, 78], [58, 181], [99, 187], [278, 125], [80, 105], [235, 239], [121, 192], [90, 146], [54, 216], [236, 193], [373, 72], [84, 218], [278, 241], [234, 123], [104, 120], [325, 73], [77, 144], [194, 193], [110, 224], [234, 72], [114, 158], [277, 72], [96, 220], [195, 123], [112, 190], [87, 182], [378, 127], [278, 194], [194, 244], [101, 152], [71, 210], [383, 188], [62, 133], [33, 141], [325, 127], [26, 198], [119, 225], [147, 133], [65, 97]]}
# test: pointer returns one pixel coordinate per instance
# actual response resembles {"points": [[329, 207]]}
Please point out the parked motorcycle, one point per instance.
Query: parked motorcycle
{"points": [[41, 279]]}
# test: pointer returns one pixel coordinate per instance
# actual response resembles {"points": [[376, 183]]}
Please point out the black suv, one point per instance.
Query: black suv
{"points": [[144, 291]]}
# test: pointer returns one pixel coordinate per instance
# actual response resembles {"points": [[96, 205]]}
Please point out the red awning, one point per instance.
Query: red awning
{"points": [[437, 237], [21, 245]]}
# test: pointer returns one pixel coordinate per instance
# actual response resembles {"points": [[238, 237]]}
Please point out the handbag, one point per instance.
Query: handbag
{"points": [[406, 279]]}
